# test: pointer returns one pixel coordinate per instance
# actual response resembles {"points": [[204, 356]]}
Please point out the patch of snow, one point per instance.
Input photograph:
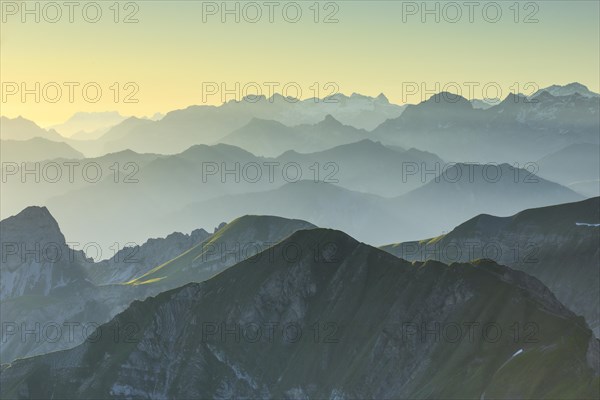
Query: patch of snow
{"points": [[120, 390], [237, 370], [517, 353], [586, 224]]}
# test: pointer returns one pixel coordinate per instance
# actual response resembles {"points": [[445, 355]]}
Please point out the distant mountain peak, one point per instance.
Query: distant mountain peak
{"points": [[514, 98], [448, 98], [87, 114], [254, 219], [355, 95], [330, 120], [364, 143], [33, 224], [256, 122], [255, 98], [575, 85], [544, 95], [569, 89], [278, 97], [36, 212], [382, 98]]}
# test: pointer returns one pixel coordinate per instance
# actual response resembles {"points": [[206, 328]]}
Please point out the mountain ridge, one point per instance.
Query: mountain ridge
{"points": [[356, 281]]}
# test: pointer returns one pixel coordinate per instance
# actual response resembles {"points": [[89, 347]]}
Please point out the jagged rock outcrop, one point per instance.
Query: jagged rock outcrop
{"points": [[51, 306], [133, 262], [333, 318], [35, 259]]}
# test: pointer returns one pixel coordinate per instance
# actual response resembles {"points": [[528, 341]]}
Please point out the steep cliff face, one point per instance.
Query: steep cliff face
{"points": [[43, 286], [559, 245], [320, 315], [35, 259], [50, 303]]}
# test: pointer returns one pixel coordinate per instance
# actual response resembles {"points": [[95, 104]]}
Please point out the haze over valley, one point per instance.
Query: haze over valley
{"points": [[300, 200]]}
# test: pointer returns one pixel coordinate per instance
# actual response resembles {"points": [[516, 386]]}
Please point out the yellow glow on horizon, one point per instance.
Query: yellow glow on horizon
{"points": [[170, 53]]}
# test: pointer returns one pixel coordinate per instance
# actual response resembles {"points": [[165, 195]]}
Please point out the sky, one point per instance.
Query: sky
{"points": [[143, 57]]}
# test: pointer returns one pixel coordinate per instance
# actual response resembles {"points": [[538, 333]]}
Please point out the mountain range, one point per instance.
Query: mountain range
{"points": [[228, 251], [576, 166], [518, 129], [556, 244], [447, 124], [88, 125], [48, 284], [23, 129], [394, 194], [334, 293], [568, 90], [36, 149], [203, 124], [271, 138]]}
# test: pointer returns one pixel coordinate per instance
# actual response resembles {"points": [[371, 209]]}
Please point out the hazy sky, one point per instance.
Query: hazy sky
{"points": [[374, 47]]}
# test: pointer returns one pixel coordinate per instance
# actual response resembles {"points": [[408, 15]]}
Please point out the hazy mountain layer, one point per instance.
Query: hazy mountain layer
{"points": [[366, 216], [133, 186], [271, 138], [37, 182], [519, 129], [35, 149], [23, 129], [180, 129], [559, 245], [89, 125], [568, 90], [576, 166], [462, 191], [458, 193], [369, 167]]}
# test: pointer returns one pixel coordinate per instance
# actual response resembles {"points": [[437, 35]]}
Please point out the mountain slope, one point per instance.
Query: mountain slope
{"points": [[271, 138], [35, 257], [59, 176], [319, 203], [369, 167], [134, 261], [576, 166], [46, 302], [54, 294], [240, 239], [23, 129], [36, 149], [545, 242], [518, 129], [180, 129], [568, 90], [462, 191], [358, 171], [165, 183], [89, 125], [344, 321]]}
